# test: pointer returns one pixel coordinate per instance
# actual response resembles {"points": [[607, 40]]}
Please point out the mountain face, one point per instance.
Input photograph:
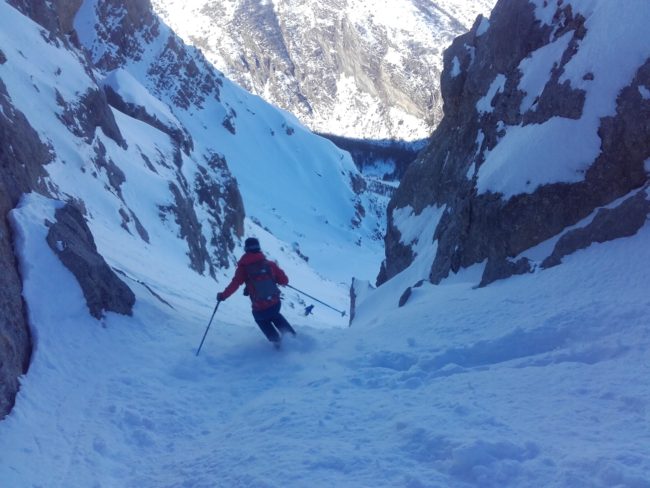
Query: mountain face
{"points": [[544, 148], [152, 160], [354, 68]]}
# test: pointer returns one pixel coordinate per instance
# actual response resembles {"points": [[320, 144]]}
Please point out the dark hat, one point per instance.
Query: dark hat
{"points": [[252, 245]]}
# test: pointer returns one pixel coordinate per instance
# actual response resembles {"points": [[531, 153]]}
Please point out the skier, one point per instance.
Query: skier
{"points": [[261, 277]]}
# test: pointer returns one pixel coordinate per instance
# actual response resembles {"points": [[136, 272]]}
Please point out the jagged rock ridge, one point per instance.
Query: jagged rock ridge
{"points": [[537, 136]]}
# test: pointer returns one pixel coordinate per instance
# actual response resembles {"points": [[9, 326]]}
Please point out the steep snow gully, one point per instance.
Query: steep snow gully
{"points": [[540, 380]]}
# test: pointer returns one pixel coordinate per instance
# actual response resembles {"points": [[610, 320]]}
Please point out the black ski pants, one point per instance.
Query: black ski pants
{"points": [[272, 323]]}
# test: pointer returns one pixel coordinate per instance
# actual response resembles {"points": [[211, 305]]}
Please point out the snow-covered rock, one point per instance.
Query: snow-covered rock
{"points": [[71, 240], [103, 107], [355, 68], [545, 123]]}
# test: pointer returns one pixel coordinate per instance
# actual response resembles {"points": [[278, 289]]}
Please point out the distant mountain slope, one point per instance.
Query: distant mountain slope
{"points": [[545, 140], [355, 68]]}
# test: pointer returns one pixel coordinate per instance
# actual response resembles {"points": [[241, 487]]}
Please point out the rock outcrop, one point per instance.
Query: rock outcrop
{"points": [[488, 88], [22, 157], [71, 240]]}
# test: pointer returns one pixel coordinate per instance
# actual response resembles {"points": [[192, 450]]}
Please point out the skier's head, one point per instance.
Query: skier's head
{"points": [[252, 245]]}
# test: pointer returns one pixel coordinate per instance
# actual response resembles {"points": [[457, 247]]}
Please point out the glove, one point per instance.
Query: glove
{"points": [[220, 297], [246, 293]]}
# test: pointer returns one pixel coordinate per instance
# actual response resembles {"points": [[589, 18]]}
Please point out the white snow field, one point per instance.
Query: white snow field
{"points": [[537, 381]]}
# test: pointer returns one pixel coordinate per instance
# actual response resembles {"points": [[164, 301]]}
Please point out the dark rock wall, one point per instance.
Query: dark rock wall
{"points": [[71, 240], [22, 157], [476, 227]]}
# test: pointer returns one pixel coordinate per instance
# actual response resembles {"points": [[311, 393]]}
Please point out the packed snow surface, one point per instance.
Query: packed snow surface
{"points": [[540, 380]]}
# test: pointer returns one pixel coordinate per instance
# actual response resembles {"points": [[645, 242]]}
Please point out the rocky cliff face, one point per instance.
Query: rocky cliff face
{"points": [[345, 67], [61, 138], [22, 157], [539, 133], [23, 160]]}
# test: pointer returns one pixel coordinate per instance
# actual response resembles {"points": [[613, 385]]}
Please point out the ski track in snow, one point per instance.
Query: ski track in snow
{"points": [[537, 381]]}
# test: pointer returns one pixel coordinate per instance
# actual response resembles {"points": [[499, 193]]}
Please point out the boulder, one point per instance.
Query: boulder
{"points": [[70, 238]]}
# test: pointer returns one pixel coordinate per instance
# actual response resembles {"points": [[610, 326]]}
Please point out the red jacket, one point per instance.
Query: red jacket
{"points": [[241, 277]]}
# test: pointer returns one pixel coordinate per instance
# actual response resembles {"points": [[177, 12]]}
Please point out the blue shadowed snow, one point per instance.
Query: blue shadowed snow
{"points": [[535, 381]]}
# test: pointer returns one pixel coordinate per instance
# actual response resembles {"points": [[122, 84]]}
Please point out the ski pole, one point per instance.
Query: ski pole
{"points": [[314, 298], [208, 328]]}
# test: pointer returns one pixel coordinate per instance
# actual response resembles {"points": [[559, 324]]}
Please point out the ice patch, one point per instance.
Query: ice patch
{"points": [[470, 172]]}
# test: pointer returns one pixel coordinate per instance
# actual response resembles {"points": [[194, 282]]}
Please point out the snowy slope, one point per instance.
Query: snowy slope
{"points": [[355, 68], [290, 180], [540, 380], [155, 149]]}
